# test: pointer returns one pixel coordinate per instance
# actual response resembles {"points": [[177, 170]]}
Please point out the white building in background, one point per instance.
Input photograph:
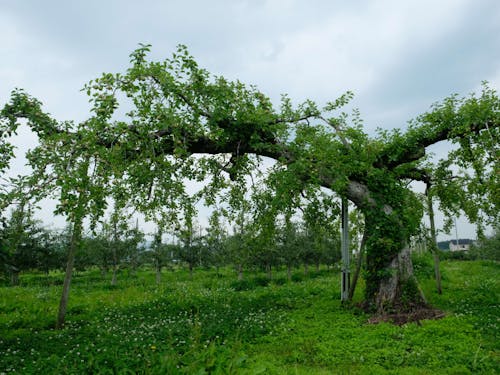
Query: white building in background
{"points": [[460, 245]]}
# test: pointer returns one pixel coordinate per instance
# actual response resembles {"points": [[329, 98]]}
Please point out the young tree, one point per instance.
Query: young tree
{"points": [[96, 246], [322, 230], [238, 249], [261, 233], [65, 166], [21, 238], [120, 239], [215, 240], [47, 256], [264, 251], [238, 244], [179, 110], [159, 254], [134, 243], [190, 250], [291, 242], [488, 247]]}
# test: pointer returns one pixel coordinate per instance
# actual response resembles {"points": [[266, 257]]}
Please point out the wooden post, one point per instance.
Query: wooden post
{"points": [[433, 244], [345, 277]]}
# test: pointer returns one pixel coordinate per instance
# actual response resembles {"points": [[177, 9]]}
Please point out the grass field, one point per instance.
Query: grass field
{"points": [[214, 324]]}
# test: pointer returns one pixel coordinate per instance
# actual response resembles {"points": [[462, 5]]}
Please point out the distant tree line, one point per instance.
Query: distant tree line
{"points": [[117, 244]]}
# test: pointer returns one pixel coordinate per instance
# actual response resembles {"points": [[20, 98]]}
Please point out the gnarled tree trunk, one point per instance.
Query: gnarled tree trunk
{"points": [[391, 286], [399, 291]]}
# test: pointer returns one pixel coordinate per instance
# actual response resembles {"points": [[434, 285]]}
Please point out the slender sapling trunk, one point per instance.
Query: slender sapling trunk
{"points": [[75, 242]]}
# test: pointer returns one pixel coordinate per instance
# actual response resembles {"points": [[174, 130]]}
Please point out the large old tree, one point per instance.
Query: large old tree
{"points": [[162, 123]]}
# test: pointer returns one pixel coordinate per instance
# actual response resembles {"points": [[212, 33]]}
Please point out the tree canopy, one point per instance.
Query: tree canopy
{"points": [[161, 124]]}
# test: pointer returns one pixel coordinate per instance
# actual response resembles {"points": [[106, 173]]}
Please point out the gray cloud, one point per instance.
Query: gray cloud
{"points": [[397, 56]]}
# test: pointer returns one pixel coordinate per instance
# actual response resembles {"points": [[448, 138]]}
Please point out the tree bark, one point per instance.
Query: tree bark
{"points": [[306, 268], [289, 272], [400, 291], [75, 242], [391, 286], [158, 275]]}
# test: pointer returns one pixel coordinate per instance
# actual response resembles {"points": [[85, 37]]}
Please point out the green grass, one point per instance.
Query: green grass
{"points": [[214, 324]]}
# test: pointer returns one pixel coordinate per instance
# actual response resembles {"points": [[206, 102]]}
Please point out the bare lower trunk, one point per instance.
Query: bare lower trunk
{"points": [[289, 272], [391, 286], [158, 275], [75, 241], [191, 271], [399, 291], [317, 266], [306, 269], [240, 272]]}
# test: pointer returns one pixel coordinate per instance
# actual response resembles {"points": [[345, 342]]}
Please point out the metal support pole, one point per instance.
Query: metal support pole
{"points": [[345, 278]]}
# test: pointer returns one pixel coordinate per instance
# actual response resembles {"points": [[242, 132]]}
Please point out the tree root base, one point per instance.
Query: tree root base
{"points": [[414, 316]]}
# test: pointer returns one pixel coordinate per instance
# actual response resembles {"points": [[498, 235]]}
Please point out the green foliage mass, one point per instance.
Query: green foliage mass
{"points": [[160, 124]]}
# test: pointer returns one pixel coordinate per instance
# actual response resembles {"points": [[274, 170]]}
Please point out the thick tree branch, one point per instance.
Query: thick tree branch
{"points": [[395, 154]]}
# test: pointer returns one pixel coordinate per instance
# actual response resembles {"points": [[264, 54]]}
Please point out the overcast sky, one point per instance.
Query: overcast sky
{"points": [[398, 57]]}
